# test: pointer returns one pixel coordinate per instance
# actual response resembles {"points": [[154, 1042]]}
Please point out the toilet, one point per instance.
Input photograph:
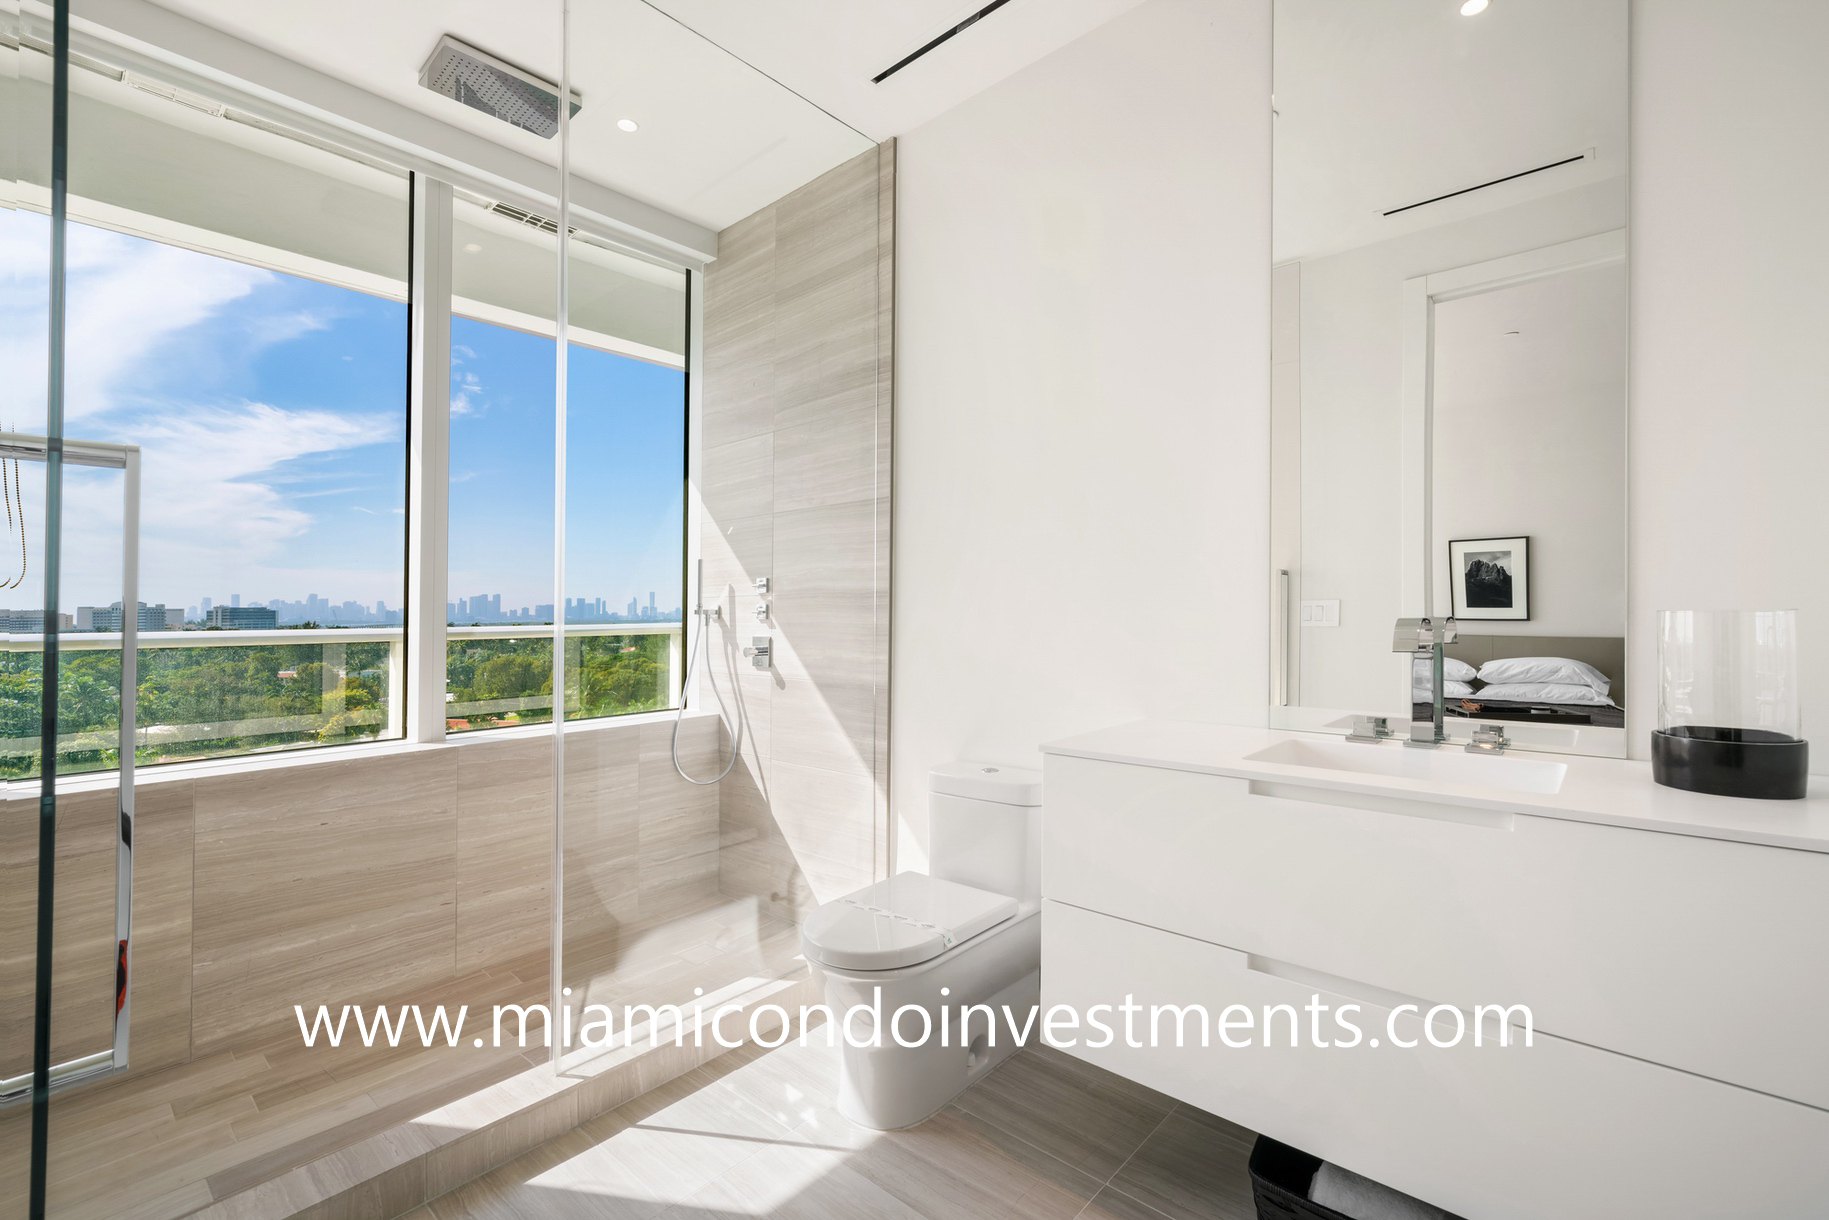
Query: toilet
{"points": [[965, 933]]}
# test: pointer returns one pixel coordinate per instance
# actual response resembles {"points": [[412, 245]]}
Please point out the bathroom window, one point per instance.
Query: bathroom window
{"points": [[625, 478], [237, 309]]}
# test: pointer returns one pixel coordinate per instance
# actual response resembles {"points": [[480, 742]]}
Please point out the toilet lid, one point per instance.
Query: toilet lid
{"points": [[900, 922]]}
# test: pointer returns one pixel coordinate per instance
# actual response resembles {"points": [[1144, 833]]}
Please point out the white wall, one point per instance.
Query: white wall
{"points": [[1530, 438], [1082, 436], [1729, 498], [1352, 401], [1082, 320]]}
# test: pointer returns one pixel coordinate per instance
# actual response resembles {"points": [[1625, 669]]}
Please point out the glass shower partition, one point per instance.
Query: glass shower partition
{"points": [[679, 892], [66, 847]]}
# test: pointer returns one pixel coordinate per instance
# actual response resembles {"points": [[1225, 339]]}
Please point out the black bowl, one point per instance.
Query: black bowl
{"points": [[1756, 763]]}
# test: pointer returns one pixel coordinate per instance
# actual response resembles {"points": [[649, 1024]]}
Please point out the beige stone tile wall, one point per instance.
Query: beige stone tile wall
{"points": [[345, 880], [798, 420]]}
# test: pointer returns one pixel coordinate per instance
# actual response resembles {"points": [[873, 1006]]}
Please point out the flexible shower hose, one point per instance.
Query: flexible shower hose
{"points": [[736, 745]]}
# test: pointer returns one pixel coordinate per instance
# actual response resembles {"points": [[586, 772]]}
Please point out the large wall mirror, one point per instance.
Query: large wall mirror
{"points": [[1448, 381]]}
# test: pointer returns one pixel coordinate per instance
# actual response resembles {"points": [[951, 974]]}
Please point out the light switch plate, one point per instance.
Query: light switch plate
{"points": [[1321, 613]]}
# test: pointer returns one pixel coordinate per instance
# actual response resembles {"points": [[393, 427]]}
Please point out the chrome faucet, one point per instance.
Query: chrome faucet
{"points": [[1423, 637]]}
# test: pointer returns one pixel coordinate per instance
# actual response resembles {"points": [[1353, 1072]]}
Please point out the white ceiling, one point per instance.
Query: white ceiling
{"points": [[828, 50], [1382, 103], [718, 139]]}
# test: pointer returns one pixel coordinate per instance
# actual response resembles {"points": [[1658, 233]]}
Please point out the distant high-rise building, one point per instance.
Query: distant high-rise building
{"points": [[30, 622], [242, 618], [108, 618], [204, 606], [234, 599], [634, 608]]}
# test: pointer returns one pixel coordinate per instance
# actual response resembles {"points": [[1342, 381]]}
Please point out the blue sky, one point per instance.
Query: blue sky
{"points": [[625, 473], [271, 411]]}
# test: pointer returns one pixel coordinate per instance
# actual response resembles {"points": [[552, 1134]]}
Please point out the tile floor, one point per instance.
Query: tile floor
{"points": [[166, 1143], [756, 1133], [705, 946]]}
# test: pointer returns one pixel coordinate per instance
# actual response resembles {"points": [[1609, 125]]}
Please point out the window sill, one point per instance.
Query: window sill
{"points": [[246, 764]]}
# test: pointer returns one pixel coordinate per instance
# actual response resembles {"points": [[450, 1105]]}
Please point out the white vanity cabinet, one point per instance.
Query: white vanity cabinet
{"points": [[1677, 975]]}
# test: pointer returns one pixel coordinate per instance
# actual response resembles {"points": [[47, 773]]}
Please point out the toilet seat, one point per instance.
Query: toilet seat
{"points": [[908, 919]]}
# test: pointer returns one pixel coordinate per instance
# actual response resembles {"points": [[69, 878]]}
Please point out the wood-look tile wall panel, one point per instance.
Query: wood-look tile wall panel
{"points": [[83, 981], [602, 836], [82, 986], [337, 880], [798, 316], [504, 850], [333, 885], [678, 831], [160, 982]]}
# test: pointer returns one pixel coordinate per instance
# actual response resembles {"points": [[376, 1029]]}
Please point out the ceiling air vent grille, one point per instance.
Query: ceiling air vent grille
{"points": [[482, 82]]}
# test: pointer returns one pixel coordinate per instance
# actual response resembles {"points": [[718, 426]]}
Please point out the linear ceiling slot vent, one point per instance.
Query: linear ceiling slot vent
{"points": [[523, 217], [171, 93], [482, 82], [1523, 173], [903, 62]]}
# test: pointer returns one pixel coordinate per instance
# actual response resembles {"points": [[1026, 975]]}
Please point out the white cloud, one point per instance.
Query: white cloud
{"points": [[219, 499], [210, 501], [269, 328], [466, 396], [128, 298]]}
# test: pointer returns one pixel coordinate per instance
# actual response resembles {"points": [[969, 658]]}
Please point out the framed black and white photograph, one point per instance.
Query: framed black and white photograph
{"points": [[1491, 578]]}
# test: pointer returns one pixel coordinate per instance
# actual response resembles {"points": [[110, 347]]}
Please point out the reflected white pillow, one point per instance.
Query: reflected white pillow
{"points": [[1546, 692], [1452, 671], [1544, 669], [1450, 690]]}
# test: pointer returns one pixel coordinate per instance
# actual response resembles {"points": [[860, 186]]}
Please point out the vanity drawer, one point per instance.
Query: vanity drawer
{"points": [[1554, 1129], [1704, 955]]}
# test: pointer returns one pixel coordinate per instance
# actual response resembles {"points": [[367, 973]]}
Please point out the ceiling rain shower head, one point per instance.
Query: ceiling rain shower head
{"points": [[482, 82]]}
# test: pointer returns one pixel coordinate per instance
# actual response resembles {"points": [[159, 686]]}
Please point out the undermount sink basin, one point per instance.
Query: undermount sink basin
{"points": [[1444, 765]]}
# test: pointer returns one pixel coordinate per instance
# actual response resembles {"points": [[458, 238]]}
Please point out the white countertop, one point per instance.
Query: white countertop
{"points": [[1608, 791]]}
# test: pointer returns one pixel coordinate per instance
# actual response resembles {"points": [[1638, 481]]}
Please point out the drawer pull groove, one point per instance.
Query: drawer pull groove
{"points": [[1491, 819]]}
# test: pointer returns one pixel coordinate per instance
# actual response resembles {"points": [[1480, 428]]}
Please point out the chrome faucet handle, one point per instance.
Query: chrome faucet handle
{"points": [[1423, 635], [1488, 739], [1373, 729]]}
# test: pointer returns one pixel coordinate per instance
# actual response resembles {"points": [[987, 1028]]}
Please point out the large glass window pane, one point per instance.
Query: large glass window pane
{"points": [[625, 477], [499, 651], [625, 536], [237, 309]]}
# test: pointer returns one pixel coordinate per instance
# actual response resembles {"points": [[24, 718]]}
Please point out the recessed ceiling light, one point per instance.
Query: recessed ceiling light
{"points": [[632, 125], [1473, 7], [472, 248]]}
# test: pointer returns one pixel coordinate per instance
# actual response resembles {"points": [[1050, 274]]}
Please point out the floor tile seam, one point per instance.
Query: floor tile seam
{"points": [[1079, 1215], [1141, 1144], [1033, 1146]]}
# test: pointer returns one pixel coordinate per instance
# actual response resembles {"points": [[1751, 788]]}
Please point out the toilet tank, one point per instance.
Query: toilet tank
{"points": [[985, 827]]}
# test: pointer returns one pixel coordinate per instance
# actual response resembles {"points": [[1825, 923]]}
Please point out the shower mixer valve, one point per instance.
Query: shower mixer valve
{"points": [[758, 651]]}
